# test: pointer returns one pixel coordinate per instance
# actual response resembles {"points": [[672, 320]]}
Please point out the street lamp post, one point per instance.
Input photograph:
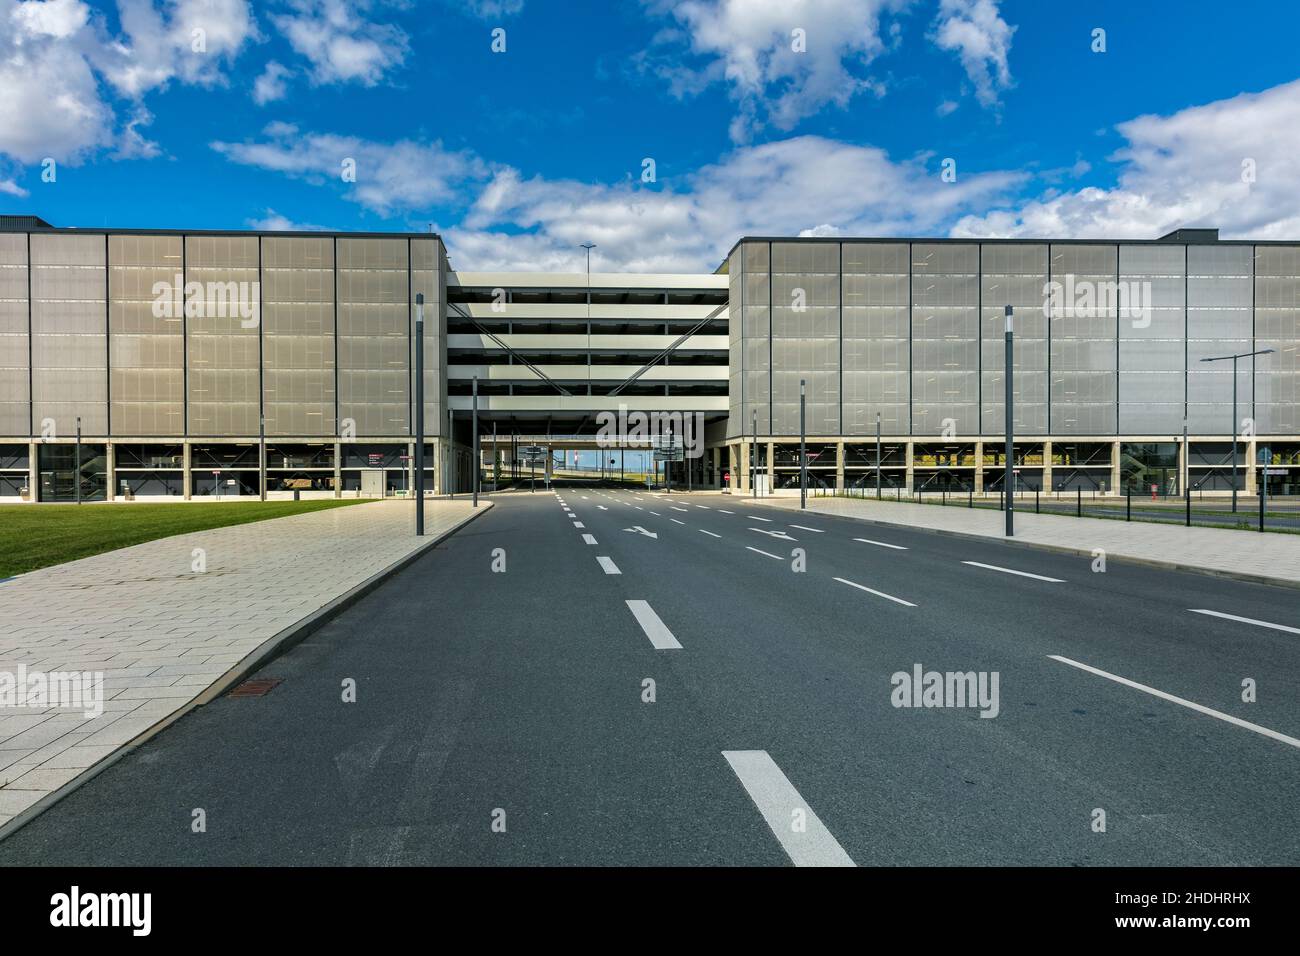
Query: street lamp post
{"points": [[753, 453], [474, 442], [803, 456], [1008, 473], [76, 471], [1235, 423], [419, 414], [877, 455]]}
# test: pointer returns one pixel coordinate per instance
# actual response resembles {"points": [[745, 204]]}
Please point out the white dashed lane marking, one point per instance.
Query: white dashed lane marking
{"points": [[609, 566], [887, 597], [1245, 620], [881, 544], [781, 806], [654, 628], [1022, 574]]}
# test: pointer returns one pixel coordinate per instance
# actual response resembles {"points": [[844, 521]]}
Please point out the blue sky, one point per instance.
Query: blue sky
{"points": [[1191, 116]]}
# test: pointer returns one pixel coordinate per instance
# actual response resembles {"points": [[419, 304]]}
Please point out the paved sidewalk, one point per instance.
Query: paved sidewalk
{"points": [[1269, 557], [162, 632]]}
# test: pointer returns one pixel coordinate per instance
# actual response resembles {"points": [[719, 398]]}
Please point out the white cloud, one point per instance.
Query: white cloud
{"points": [[338, 40], [389, 176], [54, 54], [1182, 170], [270, 85], [11, 188], [274, 222], [806, 185], [750, 46], [976, 32], [490, 9]]}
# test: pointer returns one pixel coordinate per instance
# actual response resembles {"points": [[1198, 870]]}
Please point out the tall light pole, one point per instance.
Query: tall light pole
{"points": [[803, 456], [477, 457], [76, 472], [1235, 423], [1008, 474], [877, 454], [419, 414]]}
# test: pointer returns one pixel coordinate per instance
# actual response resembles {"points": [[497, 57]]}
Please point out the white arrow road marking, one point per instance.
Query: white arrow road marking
{"points": [[777, 800], [768, 553], [609, 566], [863, 587], [1023, 574], [1200, 709], [1245, 620], [637, 529], [588, 539], [775, 534], [881, 544], [655, 629], [805, 528], [709, 533]]}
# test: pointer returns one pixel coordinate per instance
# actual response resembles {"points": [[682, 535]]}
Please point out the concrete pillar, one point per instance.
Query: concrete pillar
{"points": [[33, 473], [1249, 466], [732, 467], [1047, 466], [839, 466], [979, 468], [550, 464], [746, 450], [187, 482], [907, 478], [410, 469], [771, 466], [338, 469], [1114, 467], [110, 471]]}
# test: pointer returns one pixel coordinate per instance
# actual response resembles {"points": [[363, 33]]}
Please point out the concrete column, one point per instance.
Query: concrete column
{"points": [[110, 471], [746, 449], [771, 465], [410, 469], [550, 463], [1114, 467], [1249, 466], [1047, 466], [907, 479], [338, 469], [839, 466], [979, 468], [734, 483], [33, 473]]}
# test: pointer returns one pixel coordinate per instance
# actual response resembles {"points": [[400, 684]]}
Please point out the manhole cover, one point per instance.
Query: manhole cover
{"points": [[256, 688]]}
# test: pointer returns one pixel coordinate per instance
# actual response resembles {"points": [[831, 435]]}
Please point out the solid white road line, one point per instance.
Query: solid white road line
{"points": [[757, 518], [804, 528], [579, 524], [781, 805], [1199, 708], [709, 533], [881, 544], [655, 629], [769, 554], [588, 539], [679, 522], [887, 597], [609, 566], [1245, 620], [1023, 574]]}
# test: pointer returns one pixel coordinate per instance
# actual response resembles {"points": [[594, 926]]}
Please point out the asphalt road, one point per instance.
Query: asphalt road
{"points": [[516, 697]]}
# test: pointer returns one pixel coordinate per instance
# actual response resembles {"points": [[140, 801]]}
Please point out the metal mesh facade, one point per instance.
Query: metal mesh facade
{"points": [[156, 335], [1109, 336]]}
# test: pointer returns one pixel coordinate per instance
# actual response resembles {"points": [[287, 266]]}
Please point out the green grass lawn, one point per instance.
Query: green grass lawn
{"points": [[36, 536]]}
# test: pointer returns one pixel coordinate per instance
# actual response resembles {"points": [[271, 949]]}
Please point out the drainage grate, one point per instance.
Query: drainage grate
{"points": [[256, 688]]}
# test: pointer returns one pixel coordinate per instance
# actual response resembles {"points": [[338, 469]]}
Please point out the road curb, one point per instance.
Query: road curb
{"points": [[273, 647], [1065, 549]]}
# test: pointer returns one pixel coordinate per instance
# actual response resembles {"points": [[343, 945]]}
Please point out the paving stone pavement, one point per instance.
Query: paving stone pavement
{"points": [[1271, 555], [161, 632]]}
